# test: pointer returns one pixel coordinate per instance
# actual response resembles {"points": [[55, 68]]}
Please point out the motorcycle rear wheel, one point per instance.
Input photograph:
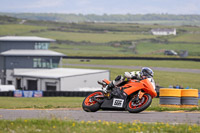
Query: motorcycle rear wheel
{"points": [[89, 105], [136, 107]]}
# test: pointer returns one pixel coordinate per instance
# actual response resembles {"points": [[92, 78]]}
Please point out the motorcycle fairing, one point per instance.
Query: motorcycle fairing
{"points": [[145, 85], [114, 103], [118, 100], [118, 93]]}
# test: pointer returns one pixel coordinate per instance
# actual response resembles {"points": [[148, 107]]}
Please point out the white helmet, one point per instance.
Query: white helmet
{"points": [[146, 71]]}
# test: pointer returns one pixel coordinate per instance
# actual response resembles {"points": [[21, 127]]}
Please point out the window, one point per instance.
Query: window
{"points": [[10, 82], [55, 63], [45, 63], [41, 45], [37, 63]]}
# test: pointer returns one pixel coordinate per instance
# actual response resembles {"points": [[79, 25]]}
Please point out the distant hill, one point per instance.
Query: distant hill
{"points": [[107, 39], [130, 18], [7, 20]]}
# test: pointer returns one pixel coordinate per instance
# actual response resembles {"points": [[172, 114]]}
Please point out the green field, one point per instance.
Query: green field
{"points": [[187, 38], [147, 48], [91, 50], [64, 102], [162, 78], [17, 29], [142, 49], [149, 63], [107, 39], [92, 37], [117, 39], [68, 126]]}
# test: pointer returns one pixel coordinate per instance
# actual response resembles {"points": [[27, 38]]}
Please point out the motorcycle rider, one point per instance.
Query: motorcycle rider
{"points": [[120, 80]]}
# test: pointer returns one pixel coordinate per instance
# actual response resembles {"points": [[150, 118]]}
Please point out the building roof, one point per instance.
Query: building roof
{"points": [[163, 30], [25, 38], [56, 72], [13, 52]]}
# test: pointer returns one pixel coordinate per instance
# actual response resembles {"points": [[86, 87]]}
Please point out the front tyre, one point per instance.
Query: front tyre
{"points": [[90, 105], [138, 106]]}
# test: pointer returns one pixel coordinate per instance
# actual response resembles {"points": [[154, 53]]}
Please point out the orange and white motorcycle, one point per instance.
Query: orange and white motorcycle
{"points": [[134, 96]]}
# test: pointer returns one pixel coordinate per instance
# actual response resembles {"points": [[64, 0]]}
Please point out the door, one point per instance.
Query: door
{"points": [[18, 84], [32, 84], [51, 86]]}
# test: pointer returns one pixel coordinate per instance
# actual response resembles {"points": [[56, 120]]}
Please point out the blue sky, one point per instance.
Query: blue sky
{"points": [[102, 6]]}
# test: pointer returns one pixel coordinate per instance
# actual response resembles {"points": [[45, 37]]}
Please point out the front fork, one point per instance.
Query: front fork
{"points": [[139, 96]]}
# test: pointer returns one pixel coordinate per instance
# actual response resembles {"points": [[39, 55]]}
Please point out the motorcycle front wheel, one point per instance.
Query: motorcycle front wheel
{"points": [[90, 105], [138, 106]]}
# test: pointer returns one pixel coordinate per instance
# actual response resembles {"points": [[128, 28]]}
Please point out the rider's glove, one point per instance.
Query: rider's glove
{"points": [[101, 82], [128, 75]]}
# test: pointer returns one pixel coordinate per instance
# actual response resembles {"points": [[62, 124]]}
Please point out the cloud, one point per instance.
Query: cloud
{"points": [[45, 4], [189, 8], [83, 2], [102, 6]]}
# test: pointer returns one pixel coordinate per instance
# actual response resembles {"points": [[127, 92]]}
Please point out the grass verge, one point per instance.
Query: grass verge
{"points": [[66, 102], [61, 126], [40, 103]]}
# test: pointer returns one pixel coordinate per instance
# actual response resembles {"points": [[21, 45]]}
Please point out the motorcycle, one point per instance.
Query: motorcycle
{"points": [[134, 96]]}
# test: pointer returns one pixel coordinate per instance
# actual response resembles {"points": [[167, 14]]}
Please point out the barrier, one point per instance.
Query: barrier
{"points": [[170, 100], [179, 97], [7, 93], [167, 92], [66, 93], [189, 100], [170, 97], [189, 97], [189, 92], [38, 94], [20, 93], [27, 93], [130, 58]]}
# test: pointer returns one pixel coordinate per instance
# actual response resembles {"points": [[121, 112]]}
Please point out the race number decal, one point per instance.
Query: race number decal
{"points": [[118, 102]]}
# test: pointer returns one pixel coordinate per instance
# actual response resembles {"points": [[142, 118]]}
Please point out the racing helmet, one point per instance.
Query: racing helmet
{"points": [[146, 71]]}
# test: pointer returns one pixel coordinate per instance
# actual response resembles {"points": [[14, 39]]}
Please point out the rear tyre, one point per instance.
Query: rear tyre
{"points": [[142, 104], [90, 105]]}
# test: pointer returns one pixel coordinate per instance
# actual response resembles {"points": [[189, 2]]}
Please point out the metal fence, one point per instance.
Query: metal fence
{"points": [[52, 94]]}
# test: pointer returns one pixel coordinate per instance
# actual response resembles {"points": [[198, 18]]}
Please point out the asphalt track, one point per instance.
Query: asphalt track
{"points": [[139, 67], [117, 116]]}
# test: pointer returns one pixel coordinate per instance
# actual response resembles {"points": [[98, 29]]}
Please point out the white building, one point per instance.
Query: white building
{"points": [[163, 32], [59, 79], [26, 63]]}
